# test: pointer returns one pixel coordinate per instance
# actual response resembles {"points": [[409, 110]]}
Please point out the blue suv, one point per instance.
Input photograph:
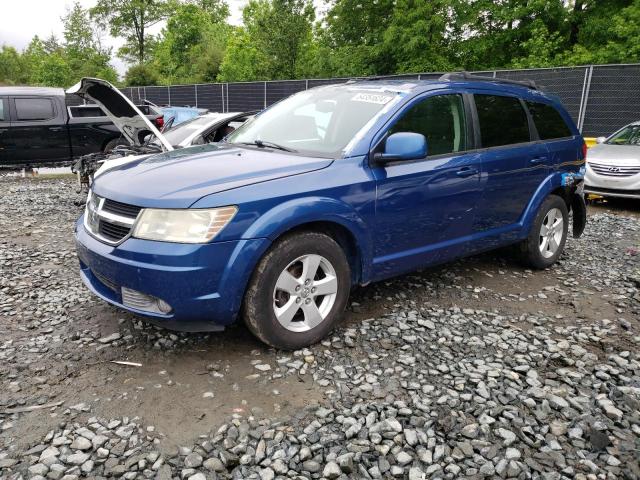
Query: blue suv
{"points": [[334, 186]]}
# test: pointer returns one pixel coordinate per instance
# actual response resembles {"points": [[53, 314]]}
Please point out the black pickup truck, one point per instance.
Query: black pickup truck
{"points": [[39, 128]]}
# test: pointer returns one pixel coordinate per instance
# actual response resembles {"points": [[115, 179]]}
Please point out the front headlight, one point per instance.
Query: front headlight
{"points": [[182, 226]]}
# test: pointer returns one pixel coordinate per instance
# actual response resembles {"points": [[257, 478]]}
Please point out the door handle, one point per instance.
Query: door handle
{"points": [[466, 172], [537, 160]]}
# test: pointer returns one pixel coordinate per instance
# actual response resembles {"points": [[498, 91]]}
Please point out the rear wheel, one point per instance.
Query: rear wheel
{"points": [[548, 235], [298, 291]]}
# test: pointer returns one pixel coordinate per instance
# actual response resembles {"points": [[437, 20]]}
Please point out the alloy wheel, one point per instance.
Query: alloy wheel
{"points": [[305, 293], [551, 233]]}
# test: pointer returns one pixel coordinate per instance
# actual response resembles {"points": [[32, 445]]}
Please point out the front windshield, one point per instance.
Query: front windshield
{"points": [[629, 135], [316, 122], [179, 133]]}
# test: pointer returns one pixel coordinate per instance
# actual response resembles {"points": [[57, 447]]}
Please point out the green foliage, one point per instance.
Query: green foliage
{"points": [[273, 44], [142, 75], [131, 19], [59, 63], [282, 39], [13, 67], [193, 42]]}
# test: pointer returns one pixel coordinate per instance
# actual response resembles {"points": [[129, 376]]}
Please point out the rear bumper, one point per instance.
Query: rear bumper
{"points": [[203, 284]]}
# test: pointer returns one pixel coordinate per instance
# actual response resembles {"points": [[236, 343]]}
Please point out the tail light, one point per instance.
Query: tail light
{"points": [[584, 150], [160, 122]]}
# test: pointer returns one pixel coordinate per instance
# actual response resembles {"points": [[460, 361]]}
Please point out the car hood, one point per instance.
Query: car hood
{"points": [[179, 178], [614, 154], [116, 162], [133, 124]]}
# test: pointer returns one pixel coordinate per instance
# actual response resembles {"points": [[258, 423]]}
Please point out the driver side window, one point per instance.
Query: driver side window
{"points": [[441, 119]]}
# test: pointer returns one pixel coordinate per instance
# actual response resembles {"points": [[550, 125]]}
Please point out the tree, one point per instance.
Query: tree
{"points": [[83, 49], [274, 42], [350, 40], [218, 10], [141, 75], [417, 38], [131, 19], [13, 69], [192, 45]]}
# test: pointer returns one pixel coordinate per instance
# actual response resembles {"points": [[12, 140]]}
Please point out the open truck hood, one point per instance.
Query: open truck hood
{"points": [[121, 111]]}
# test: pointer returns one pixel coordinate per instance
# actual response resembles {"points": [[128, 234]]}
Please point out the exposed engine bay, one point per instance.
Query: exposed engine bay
{"points": [[87, 165]]}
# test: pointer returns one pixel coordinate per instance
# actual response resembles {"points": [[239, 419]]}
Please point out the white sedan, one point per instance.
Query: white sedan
{"points": [[613, 165]]}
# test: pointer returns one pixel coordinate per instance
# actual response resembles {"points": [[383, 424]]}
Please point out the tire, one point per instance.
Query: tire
{"points": [[543, 248], [111, 144], [280, 308]]}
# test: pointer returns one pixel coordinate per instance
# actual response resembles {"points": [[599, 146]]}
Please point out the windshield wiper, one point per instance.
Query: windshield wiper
{"points": [[267, 144]]}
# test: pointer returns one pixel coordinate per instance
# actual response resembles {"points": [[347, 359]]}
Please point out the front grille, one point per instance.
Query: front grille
{"points": [[105, 281], [614, 170], [112, 232], [109, 220], [121, 208]]}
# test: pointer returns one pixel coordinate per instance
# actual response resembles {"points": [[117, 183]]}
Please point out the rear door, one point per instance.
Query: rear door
{"points": [[552, 129], [4, 131], [514, 162], [38, 130]]}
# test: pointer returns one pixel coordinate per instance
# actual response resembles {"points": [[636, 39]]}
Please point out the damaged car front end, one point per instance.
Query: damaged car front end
{"points": [[137, 131]]}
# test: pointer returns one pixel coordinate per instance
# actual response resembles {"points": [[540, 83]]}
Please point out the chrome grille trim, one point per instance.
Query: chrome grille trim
{"points": [[107, 221], [614, 170]]}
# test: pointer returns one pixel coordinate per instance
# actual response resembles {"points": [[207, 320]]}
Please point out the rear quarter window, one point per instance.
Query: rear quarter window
{"points": [[502, 120], [34, 109], [4, 114], [548, 121]]}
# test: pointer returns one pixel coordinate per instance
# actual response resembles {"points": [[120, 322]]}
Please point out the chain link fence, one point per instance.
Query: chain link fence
{"points": [[600, 98]]}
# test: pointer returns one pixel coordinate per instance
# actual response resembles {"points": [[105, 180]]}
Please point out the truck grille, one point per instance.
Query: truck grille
{"points": [[614, 170], [109, 221]]}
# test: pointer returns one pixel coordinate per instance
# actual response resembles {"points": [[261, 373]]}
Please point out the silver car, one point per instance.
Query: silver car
{"points": [[613, 165]]}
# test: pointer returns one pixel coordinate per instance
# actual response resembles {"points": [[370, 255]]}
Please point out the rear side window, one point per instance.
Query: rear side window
{"points": [[441, 120], [502, 120], [3, 116], [34, 108], [548, 120]]}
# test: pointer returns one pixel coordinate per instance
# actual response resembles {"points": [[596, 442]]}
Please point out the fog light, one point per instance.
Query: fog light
{"points": [[142, 301], [163, 306]]}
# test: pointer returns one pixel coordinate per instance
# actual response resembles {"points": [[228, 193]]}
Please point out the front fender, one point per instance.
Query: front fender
{"points": [[296, 212]]}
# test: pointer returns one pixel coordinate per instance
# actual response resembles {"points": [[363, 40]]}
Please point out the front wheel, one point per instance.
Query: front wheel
{"points": [[298, 291], [548, 234]]}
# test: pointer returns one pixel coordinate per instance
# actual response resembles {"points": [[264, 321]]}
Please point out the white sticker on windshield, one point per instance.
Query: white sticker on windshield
{"points": [[372, 98]]}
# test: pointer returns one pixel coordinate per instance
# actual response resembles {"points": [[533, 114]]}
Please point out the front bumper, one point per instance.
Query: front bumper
{"points": [[203, 283]]}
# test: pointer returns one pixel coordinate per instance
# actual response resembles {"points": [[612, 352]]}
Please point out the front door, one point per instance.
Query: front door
{"points": [[425, 208]]}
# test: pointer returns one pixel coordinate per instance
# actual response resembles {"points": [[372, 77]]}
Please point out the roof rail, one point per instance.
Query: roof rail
{"points": [[479, 78], [366, 79]]}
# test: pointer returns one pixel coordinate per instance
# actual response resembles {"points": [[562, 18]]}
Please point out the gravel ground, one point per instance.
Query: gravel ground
{"points": [[477, 369]]}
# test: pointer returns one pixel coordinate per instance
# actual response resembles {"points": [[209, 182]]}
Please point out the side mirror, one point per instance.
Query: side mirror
{"points": [[403, 146], [600, 139]]}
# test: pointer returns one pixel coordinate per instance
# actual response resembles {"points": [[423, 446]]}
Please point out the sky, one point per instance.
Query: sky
{"points": [[22, 19]]}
